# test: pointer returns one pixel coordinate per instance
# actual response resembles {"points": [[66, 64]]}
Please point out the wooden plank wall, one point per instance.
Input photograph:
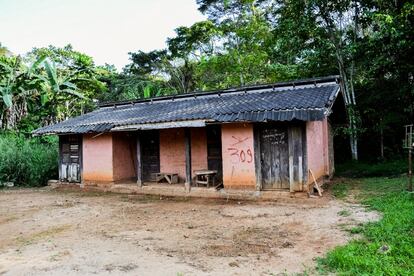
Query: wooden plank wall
{"points": [[297, 158]]}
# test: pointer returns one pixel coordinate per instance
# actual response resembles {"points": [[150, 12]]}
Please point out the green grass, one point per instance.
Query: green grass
{"points": [[369, 169], [344, 213], [386, 247], [340, 190]]}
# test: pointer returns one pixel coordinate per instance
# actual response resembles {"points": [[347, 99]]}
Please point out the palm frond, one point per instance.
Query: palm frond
{"points": [[8, 100], [74, 93], [52, 74], [36, 64], [70, 85]]}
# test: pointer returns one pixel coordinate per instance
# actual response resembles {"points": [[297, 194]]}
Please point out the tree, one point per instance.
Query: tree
{"points": [[47, 85], [4, 51], [69, 83], [58, 87], [17, 87]]}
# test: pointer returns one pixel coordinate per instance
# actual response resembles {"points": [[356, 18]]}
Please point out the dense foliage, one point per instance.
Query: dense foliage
{"points": [[27, 162], [241, 42]]}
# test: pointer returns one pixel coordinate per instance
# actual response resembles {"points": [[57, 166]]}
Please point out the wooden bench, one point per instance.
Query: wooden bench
{"points": [[203, 177], [172, 178]]}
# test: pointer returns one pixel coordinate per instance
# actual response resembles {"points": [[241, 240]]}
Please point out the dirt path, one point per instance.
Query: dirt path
{"points": [[60, 233]]}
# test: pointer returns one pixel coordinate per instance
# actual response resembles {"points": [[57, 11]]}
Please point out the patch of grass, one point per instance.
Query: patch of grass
{"points": [[340, 190], [27, 240], [356, 230], [386, 246], [344, 213]]}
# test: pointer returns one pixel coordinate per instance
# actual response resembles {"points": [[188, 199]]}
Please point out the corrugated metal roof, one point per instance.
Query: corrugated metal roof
{"points": [[305, 101]]}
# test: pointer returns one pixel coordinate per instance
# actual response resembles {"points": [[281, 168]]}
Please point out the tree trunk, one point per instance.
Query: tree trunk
{"points": [[333, 29], [353, 140], [349, 102], [382, 141]]}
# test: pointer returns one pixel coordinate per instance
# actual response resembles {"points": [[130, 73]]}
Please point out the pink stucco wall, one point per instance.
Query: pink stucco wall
{"points": [[198, 149], [172, 150], [317, 144], [124, 152], [238, 156], [108, 157], [97, 158]]}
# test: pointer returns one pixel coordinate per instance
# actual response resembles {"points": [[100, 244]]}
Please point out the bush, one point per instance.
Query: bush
{"points": [[27, 161]]}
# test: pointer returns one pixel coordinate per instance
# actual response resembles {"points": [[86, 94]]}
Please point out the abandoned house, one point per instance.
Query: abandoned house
{"points": [[261, 137]]}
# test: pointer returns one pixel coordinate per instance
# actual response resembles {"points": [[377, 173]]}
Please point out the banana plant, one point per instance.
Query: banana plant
{"points": [[15, 89], [56, 84], [17, 80], [7, 83]]}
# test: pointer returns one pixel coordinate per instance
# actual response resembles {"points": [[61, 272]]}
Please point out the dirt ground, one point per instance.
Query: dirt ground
{"points": [[45, 232]]}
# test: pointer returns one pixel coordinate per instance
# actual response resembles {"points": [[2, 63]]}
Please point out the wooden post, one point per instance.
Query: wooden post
{"points": [[60, 158], [187, 133], [410, 171], [257, 157], [139, 163], [291, 176], [300, 173]]}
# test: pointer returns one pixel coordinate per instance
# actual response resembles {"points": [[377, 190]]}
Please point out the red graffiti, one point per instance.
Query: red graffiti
{"points": [[240, 155], [239, 140], [249, 153]]}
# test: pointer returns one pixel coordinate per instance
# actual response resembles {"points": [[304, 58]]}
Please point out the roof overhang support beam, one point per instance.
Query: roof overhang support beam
{"points": [[164, 125], [187, 133], [139, 161]]}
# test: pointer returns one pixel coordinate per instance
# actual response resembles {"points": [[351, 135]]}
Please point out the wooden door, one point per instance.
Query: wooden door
{"points": [[214, 156], [296, 157], [274, 157], [70, 158], [150, 153]]}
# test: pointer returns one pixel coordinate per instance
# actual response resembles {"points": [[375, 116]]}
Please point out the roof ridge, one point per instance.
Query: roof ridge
{"points": [[294, 84]]}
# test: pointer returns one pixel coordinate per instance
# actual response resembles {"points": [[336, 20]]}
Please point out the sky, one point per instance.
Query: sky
{"points": [[104, 29]]}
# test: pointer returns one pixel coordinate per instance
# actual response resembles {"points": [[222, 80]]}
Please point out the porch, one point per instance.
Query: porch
{"points": [[242, 156], [179, 190]]}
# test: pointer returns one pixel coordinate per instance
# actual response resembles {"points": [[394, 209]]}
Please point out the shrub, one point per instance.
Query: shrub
{"points": [[27, 161]]}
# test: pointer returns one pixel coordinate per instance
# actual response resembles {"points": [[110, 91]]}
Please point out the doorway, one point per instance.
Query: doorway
{"points": [[150, 153], [282, 156], [214, 157], [274, 157], [70, 160]]}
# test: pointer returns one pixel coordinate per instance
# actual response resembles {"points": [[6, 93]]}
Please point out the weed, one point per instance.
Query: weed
{"points": [[27, 240], [356, 230], [340, 190], [344, 213]]}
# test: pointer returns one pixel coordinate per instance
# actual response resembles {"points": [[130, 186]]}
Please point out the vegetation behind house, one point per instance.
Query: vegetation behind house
{"points": [[26, 161], [369, 43]]}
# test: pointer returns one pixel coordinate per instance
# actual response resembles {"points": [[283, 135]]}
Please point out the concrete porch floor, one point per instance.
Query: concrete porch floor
{"points": [[179, 190]]}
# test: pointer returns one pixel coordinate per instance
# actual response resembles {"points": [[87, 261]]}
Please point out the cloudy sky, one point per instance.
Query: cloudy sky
{"points": [[104, 29]]}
